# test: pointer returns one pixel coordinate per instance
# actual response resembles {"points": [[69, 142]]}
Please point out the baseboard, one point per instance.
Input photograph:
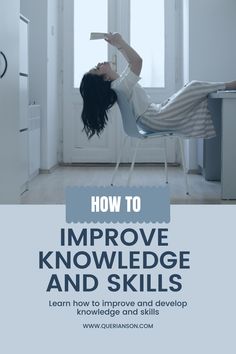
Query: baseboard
{"points": [[48, 171], [111, 164], [33, 175], [197, 171]]}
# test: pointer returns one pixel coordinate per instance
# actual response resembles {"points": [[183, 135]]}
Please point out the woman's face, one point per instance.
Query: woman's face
{"points": [[102, 69]]}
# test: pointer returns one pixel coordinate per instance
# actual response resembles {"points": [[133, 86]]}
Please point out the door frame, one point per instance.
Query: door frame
{"points": [[102, 151], [91, 154]]}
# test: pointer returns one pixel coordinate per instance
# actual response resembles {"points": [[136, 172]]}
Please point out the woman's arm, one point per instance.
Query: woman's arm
{"points": [[134, 60]]}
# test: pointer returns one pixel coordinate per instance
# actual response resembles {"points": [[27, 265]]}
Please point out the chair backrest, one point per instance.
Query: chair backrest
{"points": [[127, 115], [129, 121]]}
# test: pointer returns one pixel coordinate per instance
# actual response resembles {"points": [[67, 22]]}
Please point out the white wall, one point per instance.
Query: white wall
{"points": [[9, 104], [43, 72], [209, 48], [212, 46], [52, 83]]}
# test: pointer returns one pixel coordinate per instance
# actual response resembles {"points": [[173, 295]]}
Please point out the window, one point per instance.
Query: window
{"points": [[153, 27], [147, 36], [89, 16]]}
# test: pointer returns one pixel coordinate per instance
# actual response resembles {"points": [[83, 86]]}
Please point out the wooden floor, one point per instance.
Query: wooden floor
{"points": [[50, 188]]}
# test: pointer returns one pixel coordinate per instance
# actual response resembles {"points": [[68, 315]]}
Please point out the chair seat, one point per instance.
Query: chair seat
{"points": [[148, 133]]}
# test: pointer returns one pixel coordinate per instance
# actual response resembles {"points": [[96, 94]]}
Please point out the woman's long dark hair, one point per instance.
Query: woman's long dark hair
{"points": [[98, 97]]}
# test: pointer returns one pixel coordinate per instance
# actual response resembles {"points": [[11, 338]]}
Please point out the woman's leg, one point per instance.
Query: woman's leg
{"points": [[230, 85], [189, 96]]}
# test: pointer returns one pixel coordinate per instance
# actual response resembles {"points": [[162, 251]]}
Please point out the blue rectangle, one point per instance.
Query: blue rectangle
{"points": [[117, 204]]}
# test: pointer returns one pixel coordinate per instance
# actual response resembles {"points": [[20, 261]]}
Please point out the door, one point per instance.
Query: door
{"points": [[137, 22], [79, 55], [9, 102]]}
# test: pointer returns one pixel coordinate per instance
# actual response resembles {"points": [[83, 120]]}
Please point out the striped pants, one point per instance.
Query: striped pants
{"points": [[185, 113]]}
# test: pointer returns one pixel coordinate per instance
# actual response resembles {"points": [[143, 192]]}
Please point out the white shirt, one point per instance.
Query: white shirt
{"points": [[128, 83]]}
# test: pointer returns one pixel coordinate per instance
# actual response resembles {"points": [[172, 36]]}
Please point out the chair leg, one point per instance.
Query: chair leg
{"points": [[181, 143], [118, 160], [133, 162], [165, 156]]}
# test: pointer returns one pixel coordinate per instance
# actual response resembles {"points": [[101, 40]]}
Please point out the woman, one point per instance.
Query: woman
{"points": [[185, 112]]}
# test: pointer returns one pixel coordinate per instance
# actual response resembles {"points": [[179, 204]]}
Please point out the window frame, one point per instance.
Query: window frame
{"points": [[119, 20], [173, 52]]}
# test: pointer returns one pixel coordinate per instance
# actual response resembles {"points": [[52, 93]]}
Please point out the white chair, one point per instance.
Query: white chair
{"points": [[134, 131]]}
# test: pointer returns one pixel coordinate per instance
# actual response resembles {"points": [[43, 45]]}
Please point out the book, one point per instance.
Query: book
{"points": [[97, 35]]}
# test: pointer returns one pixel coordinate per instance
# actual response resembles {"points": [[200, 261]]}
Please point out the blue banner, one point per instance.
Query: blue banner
{"points": [[118, 204]]}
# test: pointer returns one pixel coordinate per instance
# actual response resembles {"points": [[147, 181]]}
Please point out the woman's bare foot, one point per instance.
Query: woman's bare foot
{"points": [[230, 85]]}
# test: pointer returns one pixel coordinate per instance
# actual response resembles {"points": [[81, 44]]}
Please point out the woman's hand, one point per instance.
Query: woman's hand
{"points": [[114, 39], [132, 57]]}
